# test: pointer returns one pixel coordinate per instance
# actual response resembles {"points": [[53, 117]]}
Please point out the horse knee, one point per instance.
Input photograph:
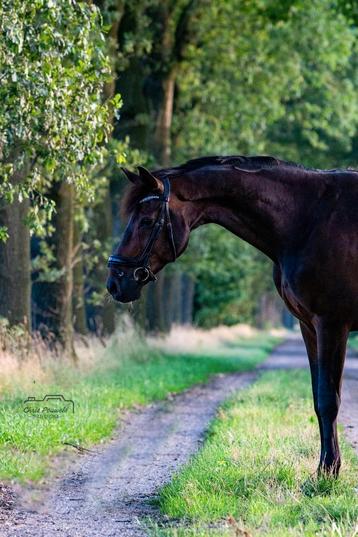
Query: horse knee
{"points": [[327, 406]]}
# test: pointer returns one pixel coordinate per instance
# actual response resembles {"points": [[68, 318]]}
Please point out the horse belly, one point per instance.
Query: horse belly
{"points": [[323, 280]]}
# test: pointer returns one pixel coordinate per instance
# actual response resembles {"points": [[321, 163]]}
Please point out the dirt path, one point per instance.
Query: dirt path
{"points": [[108, 492]]}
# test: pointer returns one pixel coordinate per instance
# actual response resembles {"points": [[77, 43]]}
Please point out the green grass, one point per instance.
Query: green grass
{"points": [[136, 374], [257, 470]]}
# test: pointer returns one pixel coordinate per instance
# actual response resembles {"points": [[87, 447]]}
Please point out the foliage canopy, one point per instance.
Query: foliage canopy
{"points": [[52, 116]]}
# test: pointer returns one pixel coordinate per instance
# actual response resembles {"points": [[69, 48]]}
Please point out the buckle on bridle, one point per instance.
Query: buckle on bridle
{"points": [[143, 274]]}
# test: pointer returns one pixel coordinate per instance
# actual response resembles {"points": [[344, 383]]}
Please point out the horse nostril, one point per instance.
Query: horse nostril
{"points": [[112, 286]]}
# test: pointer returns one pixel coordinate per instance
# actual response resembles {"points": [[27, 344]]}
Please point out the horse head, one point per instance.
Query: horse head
{"points": [[157, 232]]}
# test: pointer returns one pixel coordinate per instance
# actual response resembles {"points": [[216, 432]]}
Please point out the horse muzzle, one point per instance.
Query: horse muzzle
{"points": [[124, 289]]}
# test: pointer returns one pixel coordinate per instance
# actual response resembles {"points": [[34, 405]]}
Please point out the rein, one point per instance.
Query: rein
{"points": [[142, 272]]}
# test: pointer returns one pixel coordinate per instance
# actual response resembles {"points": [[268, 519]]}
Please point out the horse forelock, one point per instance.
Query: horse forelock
{"points": [[132, 195]]}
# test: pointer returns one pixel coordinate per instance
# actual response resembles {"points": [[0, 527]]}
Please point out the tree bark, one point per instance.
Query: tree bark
{"points": [[269, 311], [164, 121], [158, 308], [104, 217], [155, 311], [172, 299], [15, 268], [187, 286], [104, 227], [62, 289], [79, 306]]}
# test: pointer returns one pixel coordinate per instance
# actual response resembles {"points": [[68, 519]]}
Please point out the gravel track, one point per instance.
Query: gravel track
{"points": [[108, 492]]}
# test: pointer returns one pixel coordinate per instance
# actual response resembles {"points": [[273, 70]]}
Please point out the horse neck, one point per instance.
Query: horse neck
{"points": [[259, 207]]}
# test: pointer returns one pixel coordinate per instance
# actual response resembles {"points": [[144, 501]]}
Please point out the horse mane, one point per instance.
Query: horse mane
{"points": [[135, 192], [240, 161]]}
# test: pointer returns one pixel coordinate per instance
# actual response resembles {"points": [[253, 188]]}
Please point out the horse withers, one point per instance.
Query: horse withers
{"points": [[304, 220]]}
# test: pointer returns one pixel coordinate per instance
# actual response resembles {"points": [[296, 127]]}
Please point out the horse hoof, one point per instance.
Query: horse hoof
{"points": [[329, 470]]}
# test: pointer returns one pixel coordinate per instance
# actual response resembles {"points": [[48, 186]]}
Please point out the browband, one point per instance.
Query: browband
{"points": [[149, 198]]}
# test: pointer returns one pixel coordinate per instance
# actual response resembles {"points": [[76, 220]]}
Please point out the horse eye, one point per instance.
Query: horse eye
{"points": [[146, 222]]}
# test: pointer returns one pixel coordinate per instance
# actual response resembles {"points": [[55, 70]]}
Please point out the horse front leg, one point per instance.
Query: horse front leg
{"points": [[310, 339], [332, 342]]}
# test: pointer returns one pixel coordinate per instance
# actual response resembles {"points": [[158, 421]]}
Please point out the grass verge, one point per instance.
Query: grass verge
{"points": [[129, 373], [256, 472]]}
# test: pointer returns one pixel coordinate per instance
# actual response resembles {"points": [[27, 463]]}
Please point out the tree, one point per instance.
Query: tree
{"points": [[255, 69], [52, 125], [240, 77], [111, 12], [201, 77], [260, 79], [321, 117]]}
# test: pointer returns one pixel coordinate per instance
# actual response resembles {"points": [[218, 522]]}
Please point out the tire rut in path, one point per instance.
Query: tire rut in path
{"points": [[108, 492]]}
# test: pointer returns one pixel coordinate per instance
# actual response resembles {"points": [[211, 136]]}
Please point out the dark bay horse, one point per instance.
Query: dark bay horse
{"points": [[304, 220]]}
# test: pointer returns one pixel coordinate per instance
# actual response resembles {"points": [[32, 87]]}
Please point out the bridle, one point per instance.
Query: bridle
{"points": [[142, 272]]}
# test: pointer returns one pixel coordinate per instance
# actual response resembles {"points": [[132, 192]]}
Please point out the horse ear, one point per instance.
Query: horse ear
{"points": [[149, 180], [133, 177]]}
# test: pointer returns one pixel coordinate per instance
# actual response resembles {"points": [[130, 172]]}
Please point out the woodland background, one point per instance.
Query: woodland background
{"points": [[86, 87]]}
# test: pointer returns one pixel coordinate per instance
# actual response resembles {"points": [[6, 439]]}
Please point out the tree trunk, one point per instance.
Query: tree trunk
{"points": [[79, 306], [288, 319], [103, 211], [104, 223], [172, 298], [167, 299], [158, 297], [63, 288], [164, 121], [269, 311], [15, 268], [188, 287], [155, 311]]}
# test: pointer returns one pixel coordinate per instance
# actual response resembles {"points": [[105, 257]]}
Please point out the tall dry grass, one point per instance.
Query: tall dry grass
{"points": [[25, 359], [194, 339]]}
